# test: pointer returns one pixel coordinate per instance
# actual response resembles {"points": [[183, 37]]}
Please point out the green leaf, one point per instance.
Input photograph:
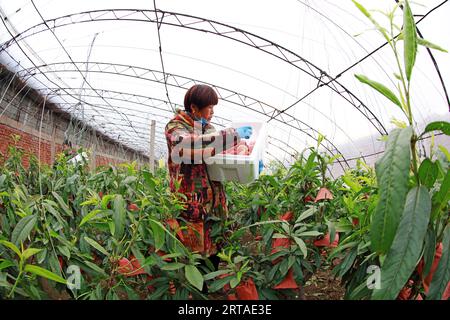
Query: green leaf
{"points": [[234, 282], [310, 234], [348, 261], [430, 45], [23, 229], [44, 273], [149, 179], [443, 126], [441, 198], [91, 215], [194, 276], [410, 39], [158, 233], [105, 200], [375, 23], [392, 172], [30, 252], [214, 274], [50, 208], [6, 264], [95, 268], [96, 245], [301, 244], [306, 214], [441, 276], [406, 248], [11, 246], [62, 204], [428, 172], [429, 252], [172, 266], [381, 88], [128, 180], [119, 216], [352, 183]]}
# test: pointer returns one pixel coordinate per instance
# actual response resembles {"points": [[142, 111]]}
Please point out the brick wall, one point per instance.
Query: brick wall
{"points": [[22, 113], [27, 142]]}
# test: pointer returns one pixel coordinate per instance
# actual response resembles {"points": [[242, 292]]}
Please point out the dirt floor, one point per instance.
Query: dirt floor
{"points": [[322, 286]]}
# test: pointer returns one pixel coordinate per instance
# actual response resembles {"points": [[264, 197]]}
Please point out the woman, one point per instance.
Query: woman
{"points": [[191, 139]]}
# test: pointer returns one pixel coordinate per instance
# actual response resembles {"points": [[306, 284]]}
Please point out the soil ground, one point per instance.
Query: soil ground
{"points": [[323, 286]]}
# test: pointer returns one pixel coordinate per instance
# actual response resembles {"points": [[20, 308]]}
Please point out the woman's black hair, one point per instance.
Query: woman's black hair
{"points": [[201, 96]]}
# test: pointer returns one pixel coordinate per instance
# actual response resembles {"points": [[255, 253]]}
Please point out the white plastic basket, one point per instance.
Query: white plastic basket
{"points": [[240, 168]]}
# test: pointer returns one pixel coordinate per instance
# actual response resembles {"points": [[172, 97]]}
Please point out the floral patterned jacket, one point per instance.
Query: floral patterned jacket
{"points": [[187, 140]]}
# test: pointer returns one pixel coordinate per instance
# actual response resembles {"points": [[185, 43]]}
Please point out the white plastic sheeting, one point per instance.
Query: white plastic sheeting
{"points": [[101, 61]]}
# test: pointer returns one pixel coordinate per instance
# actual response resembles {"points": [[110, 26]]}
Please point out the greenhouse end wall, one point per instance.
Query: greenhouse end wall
{"points": [[21, 112]]}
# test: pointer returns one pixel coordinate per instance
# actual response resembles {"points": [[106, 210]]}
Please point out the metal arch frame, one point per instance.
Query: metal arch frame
{"points": [[28, 76], [213, 27], [125, 95], [182, 82]]}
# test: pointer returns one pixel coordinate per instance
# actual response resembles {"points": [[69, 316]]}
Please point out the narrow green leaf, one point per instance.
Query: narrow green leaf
{"points": [[441, 198], [306, 214], [215, 274], [410, 39], [443, 126], [194, 276], [428, 172], [348, 261], [6, 264], [119, 216], [91, 215], [11, 246], [301, 244], [430, 45], [158, 233], [406, 248], [310, 234], [392, 172], [48, 205], [172, 266], [381, 88], [95, 268], [96, 245], [429, 251], [44, 273], [441, 277], [23, 229], [62, 204], [375, 23], [30, 252]]}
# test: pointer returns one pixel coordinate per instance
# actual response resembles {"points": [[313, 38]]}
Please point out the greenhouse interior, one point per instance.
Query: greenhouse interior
{"points": [[224, 150]]}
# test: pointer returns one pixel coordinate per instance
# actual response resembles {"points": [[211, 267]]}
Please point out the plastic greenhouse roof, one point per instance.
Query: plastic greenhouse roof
{"points": [[288, 63]]}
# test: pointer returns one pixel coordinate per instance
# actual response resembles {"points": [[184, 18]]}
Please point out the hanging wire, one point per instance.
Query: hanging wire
{"points": [[70, 58], [158, 26]]}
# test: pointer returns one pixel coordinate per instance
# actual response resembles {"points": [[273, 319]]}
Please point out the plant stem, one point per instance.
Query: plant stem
{"points": [[15, 284]]}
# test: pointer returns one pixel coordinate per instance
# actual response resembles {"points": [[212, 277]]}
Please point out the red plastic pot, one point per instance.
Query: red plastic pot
{"points": [[326, 242], [288, 282], [426, 279], [246, 290], [308, 198], [324, 194], [133, 207]]}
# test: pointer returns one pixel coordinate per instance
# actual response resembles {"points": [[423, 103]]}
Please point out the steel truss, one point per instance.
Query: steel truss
{"points": [[185, 83], [209, 26]]}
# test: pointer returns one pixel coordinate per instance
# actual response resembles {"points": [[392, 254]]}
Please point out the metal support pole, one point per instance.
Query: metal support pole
{"points": [[152, 146]]}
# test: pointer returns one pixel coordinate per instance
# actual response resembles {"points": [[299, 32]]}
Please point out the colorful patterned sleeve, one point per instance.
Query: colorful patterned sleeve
{"points": [[186, 145]]}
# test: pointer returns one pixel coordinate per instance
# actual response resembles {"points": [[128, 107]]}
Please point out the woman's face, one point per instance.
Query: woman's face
{"points": [[206, 112]]}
